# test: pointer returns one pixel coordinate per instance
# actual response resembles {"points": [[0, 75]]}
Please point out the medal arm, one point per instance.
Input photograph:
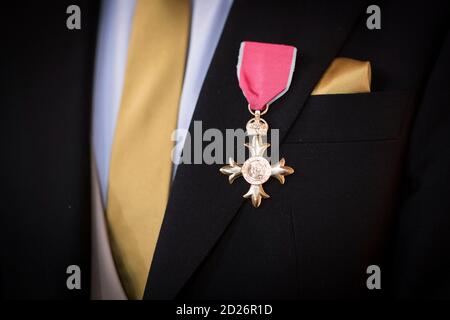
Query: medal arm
{"points": [[256, 193], [279, 171], [233, 170], [257, 147]]}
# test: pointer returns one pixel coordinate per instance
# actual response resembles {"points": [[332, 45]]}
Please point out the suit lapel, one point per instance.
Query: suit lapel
{"points": [[202, 203]]}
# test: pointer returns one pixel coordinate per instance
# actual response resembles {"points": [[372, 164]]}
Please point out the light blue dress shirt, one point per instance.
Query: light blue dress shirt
{"points": [[207, 20]]}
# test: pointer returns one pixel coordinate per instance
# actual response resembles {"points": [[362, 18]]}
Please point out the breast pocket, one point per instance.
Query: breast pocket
{"points": [[353, 117]]}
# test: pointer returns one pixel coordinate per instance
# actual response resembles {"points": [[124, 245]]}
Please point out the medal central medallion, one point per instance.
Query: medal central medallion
{"points": [[256, 170]]}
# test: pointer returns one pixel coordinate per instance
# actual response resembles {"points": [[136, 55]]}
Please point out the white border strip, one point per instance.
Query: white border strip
{"points": [[238, 67], [240, 57]]}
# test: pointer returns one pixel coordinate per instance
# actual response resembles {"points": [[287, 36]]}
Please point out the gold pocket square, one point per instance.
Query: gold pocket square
{"points": [[345, 75]]}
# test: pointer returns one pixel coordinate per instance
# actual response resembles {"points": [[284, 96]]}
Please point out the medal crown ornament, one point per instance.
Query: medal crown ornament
{"points": [[257, 127]]}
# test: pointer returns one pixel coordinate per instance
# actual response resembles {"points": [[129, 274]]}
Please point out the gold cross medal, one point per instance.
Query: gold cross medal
{"points": [[264, 72]]}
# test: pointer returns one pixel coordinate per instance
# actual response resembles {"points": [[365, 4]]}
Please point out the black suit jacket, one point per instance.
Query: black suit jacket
{"points": [[372, 169]]}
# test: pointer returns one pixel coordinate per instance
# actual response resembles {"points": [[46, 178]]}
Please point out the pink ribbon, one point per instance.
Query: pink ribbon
{"points": [[265, 72]]}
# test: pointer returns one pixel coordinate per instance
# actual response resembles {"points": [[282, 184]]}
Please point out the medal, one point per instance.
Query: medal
{"points": [[264, 72]]}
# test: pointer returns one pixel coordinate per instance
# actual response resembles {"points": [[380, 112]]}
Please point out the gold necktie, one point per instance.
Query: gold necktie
{"points": [[140, 170]]}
